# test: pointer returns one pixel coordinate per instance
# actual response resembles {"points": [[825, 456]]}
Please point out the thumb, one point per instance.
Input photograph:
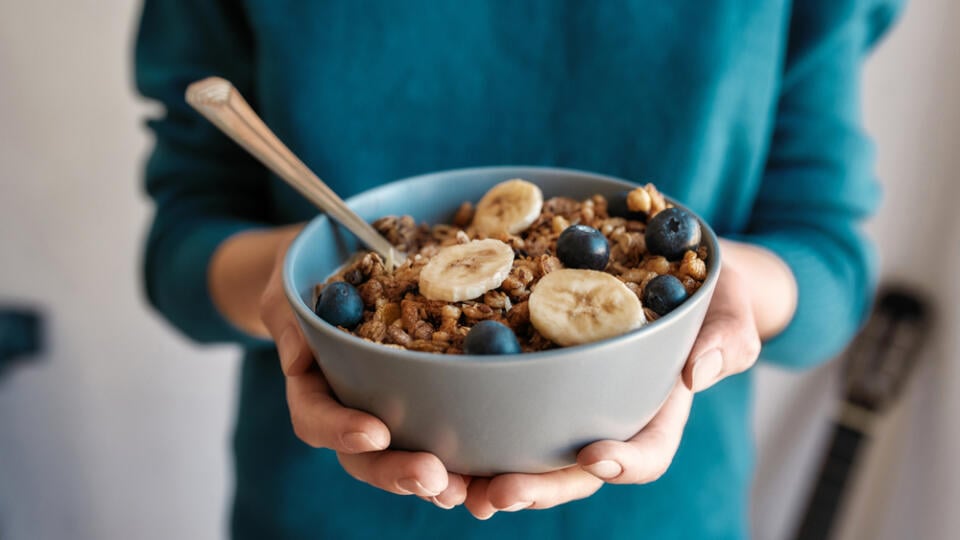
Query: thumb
{"points": [[728, 342], [281, 323]]}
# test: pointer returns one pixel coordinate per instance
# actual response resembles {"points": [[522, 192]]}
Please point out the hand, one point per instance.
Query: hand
{"points": [[728, 343], [358, 438], [640, 460]]}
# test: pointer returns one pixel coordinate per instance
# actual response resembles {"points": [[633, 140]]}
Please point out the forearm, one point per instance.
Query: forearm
{"points": [[239, 271], [772, 286]]}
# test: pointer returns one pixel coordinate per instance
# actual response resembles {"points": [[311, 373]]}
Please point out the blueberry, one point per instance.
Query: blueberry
{"points": [[340, 305], [672, 232], [490, 337], [580, 246], [617, 207], [664, 293]]}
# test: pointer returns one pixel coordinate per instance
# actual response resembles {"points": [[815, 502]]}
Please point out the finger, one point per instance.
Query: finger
{"points": [[403, 473], [648, 454], [295, 356], [514, 492], [454, 495], [728, 342], [322, 422], [727, 345], [275, 312], [477, 502]]}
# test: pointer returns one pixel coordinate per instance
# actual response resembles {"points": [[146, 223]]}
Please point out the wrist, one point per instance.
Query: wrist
{"points": [[771, 284], [239, 272]]}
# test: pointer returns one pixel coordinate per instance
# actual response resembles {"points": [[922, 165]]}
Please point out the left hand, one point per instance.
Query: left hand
{"points": [[728, 343], [642, 459]]}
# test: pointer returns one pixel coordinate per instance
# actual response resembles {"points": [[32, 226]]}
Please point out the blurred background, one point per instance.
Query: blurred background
{"points": [[120, 429]]}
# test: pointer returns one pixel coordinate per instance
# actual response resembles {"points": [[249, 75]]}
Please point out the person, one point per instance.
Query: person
{"points": [[746, 112]]}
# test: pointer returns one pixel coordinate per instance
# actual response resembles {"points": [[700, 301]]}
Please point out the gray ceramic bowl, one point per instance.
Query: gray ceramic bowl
{"points": [[486, 415]]}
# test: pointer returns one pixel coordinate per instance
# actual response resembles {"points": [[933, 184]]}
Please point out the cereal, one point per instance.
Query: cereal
{"points": [[549, 263], [693, 266], [657, 202], [519, 316], [497, 300], [397, 314], [658, 264], [450, 311], [423, 330], [477, 312], [398, 336], [387, 312], [639, 200], [374, 330], [464, 215], [369, 291], [690, 284], [559, 223]]}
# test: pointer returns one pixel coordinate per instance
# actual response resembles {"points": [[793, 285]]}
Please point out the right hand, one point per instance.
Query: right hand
{"points": [[358, 438]]}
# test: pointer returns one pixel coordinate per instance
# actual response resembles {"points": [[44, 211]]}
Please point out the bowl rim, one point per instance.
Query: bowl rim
{"points": [[307, 315]]}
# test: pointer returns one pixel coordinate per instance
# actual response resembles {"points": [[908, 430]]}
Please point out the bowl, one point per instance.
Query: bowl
{"points": [[484, 415]]}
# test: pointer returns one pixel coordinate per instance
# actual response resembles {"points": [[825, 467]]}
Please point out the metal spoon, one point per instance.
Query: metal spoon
{"points": [[220, 102]]}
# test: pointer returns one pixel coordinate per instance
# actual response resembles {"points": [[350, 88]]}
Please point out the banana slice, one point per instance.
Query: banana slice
{"points": [[508, 207], [572, 307], [466, 271]]}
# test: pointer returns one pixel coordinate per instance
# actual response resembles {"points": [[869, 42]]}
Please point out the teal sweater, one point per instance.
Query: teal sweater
{"points": [[747, 111]]}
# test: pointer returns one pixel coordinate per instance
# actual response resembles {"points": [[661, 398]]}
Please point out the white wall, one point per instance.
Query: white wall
{"points": [[121, 430], [913, 106], [909, 486]]}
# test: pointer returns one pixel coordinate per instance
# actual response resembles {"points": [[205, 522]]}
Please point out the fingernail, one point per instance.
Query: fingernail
{"points": [[706, 368], [517, 506], [287, 347], [437, 502], [605, 469], [412, 485], [486, 517], [358, 441]]}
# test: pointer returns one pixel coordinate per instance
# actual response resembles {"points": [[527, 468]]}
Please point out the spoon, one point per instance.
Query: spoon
{"points": [[220, 102]]}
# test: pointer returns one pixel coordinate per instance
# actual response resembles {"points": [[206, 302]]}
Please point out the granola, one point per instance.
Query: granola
{"points": [[396, 313]]}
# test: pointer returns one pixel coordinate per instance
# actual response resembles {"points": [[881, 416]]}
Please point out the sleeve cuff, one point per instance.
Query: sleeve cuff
{"points": [[831, 302], [178, 286]]}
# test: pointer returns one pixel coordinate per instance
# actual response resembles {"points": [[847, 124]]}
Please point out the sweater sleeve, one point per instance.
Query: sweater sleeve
{"points": [[204, 187], [818, 183]]}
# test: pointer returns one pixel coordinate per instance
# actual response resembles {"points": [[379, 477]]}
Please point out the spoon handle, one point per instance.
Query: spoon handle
{"points": [[220, 102]]}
